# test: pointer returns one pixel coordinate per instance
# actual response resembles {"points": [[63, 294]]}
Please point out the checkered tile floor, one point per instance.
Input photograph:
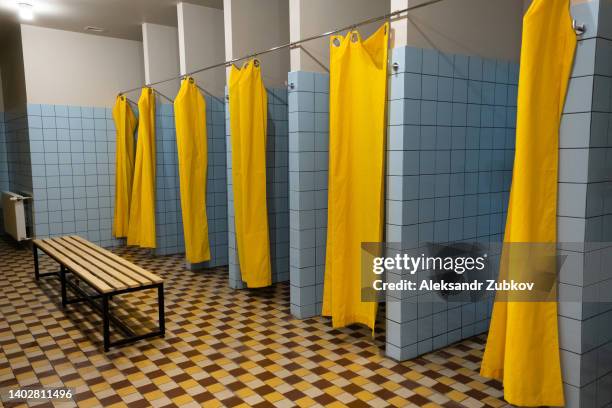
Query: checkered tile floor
{"points": [[222, 348]]}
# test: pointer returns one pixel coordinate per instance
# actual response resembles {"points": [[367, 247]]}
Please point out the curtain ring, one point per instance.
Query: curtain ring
{"points": [[336, 42], [256, 62]]}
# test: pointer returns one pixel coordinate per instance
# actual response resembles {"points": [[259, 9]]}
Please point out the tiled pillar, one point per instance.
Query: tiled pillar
{"points": [[585, 214], [449, 163], [277, 186], [216, 187], [308, 172], [168, 219]]}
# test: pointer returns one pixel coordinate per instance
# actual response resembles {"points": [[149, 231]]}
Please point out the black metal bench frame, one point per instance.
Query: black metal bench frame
{"points": [[104, 305]]}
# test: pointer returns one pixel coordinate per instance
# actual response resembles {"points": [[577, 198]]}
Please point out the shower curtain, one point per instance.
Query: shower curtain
{"points": [[358, 81], [523, 344], [125, 125], [191, 141], [248, 104], [141, 230]]}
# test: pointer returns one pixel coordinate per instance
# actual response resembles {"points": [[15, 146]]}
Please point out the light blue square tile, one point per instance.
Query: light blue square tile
{"points": [[429, 87], [321, 82], [474, 92], [501, 72], [414, 59], [430, 61], [475, 68], [460, 90], [446, 64], [61, 110], [444, 113], [34, 109], [445, 89], [74, 111], [47, 110], [461, 66], [489, 69], [428, 110]]}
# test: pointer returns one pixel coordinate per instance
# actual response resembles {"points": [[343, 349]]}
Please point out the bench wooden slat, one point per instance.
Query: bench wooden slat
{"points": [[117, 266], [84, 263], [107, 265], [95, 266], [143, 272], [73, 266]]}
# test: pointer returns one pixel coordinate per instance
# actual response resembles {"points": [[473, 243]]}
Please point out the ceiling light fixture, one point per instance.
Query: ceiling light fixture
{"points": [[95, 29], [26, 11]]}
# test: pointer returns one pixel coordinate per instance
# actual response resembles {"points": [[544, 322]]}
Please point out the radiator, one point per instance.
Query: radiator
{"points": [[14, 214]]}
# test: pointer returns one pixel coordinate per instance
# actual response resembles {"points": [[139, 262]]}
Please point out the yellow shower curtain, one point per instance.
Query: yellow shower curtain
{"points": [[190, 118], [125, 125], [248, 104], [523, 346], [358, 81], [141, 231]]}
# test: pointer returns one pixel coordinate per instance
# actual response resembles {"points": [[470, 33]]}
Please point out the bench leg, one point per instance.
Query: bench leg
{"points": [[63, 285], [160, 305], [36, 267], [105, 322]]}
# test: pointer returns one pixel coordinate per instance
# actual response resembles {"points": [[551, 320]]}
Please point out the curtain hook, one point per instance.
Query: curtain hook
{"points": [[579, 28]]}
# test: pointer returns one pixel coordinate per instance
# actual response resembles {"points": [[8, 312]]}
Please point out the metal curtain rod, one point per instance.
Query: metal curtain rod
{"points": [[293, 44]]}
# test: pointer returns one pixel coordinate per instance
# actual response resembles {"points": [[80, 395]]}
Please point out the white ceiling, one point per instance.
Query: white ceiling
{"points": [[120, 18]]}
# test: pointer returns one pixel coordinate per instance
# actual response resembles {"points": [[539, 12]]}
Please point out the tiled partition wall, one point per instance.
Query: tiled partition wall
{"points": [[308, 172], [170, 239], [73, 166], [277, 191], [73, 175], [449, 167], [168, 220], [449, 163], [585, 215], [216, 191]]}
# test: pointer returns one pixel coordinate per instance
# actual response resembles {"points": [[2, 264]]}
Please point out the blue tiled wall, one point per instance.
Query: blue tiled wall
{"points": [[168, 219], [277, 191], [216, 191], [73, 165], [450, 153], [169, 222], [73, 175], [584, 214], [308, 172]]}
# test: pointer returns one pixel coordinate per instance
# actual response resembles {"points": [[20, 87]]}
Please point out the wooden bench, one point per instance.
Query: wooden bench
{"points": [[106, 273]]}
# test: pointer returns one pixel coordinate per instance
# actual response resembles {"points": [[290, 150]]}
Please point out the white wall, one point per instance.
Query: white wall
{"points": [[313, 17], [488, 28], [68, 68], [161, 57], [252, 26], [202, 43]]}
